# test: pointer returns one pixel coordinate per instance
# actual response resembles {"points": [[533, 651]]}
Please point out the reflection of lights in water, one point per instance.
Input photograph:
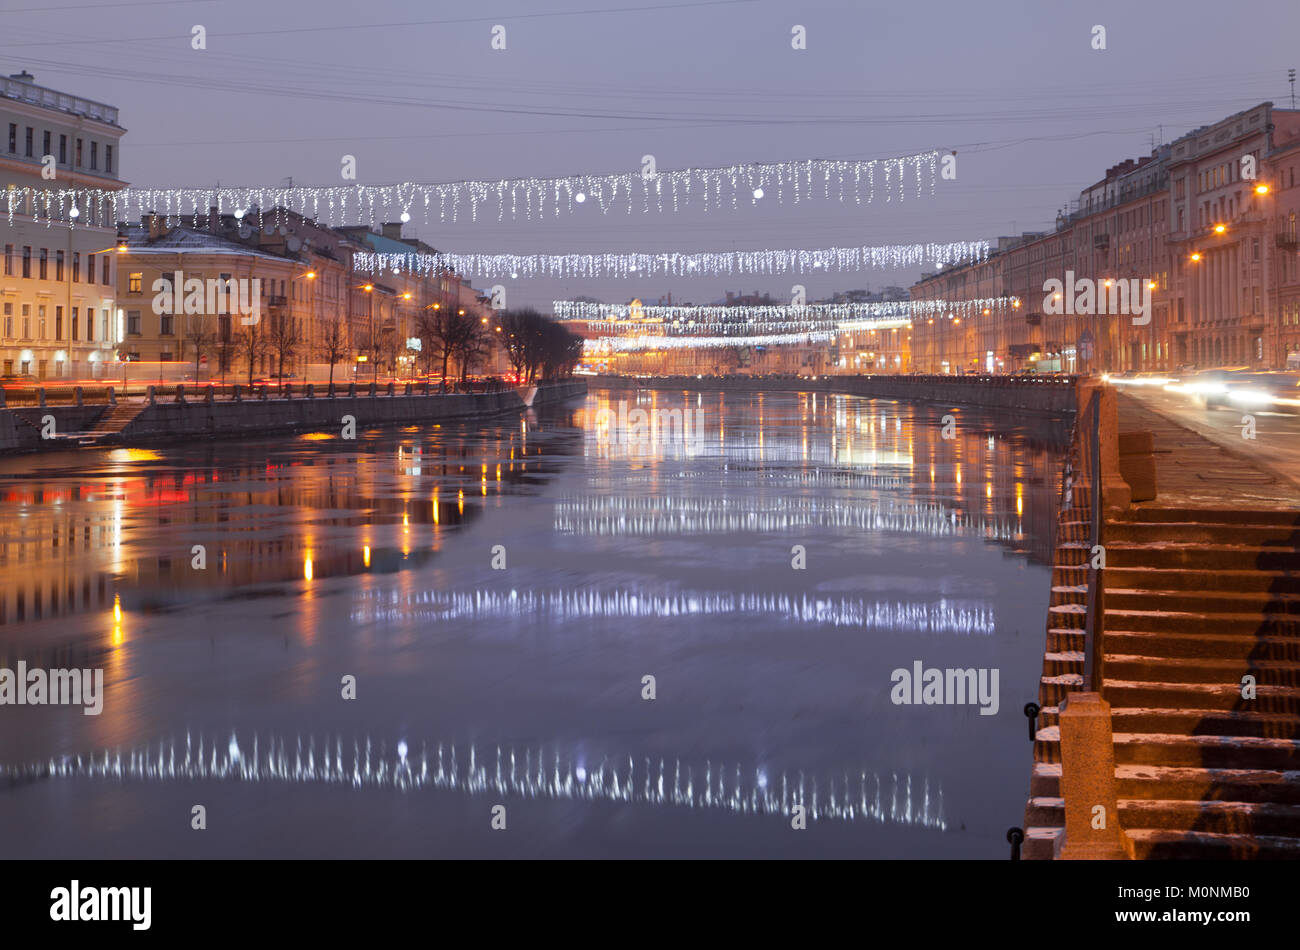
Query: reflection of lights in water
{"points": [[117, 608], [365, 555], [640, 515], [306, 567], [942, 616], [533, 773]]}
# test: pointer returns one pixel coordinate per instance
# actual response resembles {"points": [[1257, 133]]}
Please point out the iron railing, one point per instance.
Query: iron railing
{"points": [[1096, 553]]}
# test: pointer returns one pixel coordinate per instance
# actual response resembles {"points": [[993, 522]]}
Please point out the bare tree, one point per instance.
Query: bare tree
{"points": [[251, 343], [473, 347], [537, 345], [283, 338], [200, 335], [387, 347], [333, 346], [227, 345], [445, 335]]}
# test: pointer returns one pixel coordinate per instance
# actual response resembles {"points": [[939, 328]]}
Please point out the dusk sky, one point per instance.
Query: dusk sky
{"points": [[415, 91]]}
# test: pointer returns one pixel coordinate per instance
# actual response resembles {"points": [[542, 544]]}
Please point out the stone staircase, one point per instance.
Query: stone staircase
{"points": [[1195, 599], [110, 424]]}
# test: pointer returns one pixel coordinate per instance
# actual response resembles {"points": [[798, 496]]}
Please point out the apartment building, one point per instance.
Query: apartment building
{"points": [[58, 313], [1204, 225]]}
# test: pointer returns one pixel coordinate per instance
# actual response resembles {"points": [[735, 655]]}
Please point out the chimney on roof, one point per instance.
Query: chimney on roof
{"points": [[214, 220], [393, 230], [153, 224], [23, 76]]}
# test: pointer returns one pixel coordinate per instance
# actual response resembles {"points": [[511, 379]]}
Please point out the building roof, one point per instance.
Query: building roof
{"points": [[22, 88], [188, 241]]}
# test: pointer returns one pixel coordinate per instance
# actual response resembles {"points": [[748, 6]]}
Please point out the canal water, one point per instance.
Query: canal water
{"points": [[643, 624]]}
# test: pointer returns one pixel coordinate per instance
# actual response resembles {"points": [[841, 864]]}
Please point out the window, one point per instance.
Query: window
{"points": [[108, 159], [134, 282], [13, 138], [45, 144], [1254, 249], [27, 261], [9, 259], [27, 143], [90, 268], [133, 322], [78, 153], [103, 325], [165, 324], [165, 357], [63, 150], [43, 268], [74, 324], [58, 323], [94, 156], [76, 266], [104, 264], [58, 265]]}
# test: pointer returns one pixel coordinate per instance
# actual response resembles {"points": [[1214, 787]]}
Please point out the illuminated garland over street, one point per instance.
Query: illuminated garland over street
{"points": [[621, 328], [627, 344], [963, 308], [744, 327], [699, 316], [707, 188], [678, 263]]}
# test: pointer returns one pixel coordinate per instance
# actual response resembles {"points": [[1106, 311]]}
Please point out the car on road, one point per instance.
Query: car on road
{"points": [[1246, 389]]}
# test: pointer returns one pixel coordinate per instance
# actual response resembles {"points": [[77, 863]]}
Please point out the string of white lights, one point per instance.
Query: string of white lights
{"points": [[543, 772], [745, 327], [628, 344], [700, 315], [627, 327], [679, 263], [706, 188], [952, 308]]}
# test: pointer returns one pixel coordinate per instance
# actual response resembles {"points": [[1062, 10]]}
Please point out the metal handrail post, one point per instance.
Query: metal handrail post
{"points": [[1093, 626]]}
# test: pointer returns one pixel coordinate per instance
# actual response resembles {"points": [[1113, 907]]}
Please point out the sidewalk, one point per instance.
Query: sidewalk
{"points": [[1193, 472]]}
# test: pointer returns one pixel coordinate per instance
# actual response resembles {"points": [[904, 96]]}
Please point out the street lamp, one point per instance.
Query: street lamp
{"points": [[311, 322]]}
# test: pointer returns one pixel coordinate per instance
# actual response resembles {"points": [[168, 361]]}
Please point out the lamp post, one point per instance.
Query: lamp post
{"points": [[373, 343]]}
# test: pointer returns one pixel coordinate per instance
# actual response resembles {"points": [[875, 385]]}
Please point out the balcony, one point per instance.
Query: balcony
{"points": [[1101, 241], [275, 300], [1287, 240], [49, 99]]}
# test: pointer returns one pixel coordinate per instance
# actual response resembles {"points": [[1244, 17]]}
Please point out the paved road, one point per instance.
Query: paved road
{"points": [[1276, 443]]}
